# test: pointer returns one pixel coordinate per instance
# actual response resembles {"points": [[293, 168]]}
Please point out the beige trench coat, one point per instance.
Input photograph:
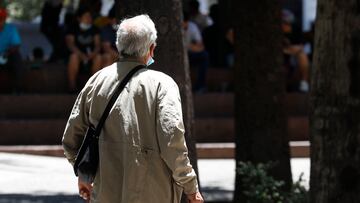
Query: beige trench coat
{"points": [[143, 154]]}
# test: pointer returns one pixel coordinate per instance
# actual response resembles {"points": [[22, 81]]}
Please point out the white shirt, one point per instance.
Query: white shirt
{"points": [[192, 34]]}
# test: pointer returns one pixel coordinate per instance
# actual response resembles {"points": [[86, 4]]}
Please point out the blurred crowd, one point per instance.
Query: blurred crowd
{"points": [[85, 41]]}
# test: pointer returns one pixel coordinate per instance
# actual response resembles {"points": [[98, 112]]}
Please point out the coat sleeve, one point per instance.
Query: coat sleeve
{"points": [[170, 133], [76, 125]]}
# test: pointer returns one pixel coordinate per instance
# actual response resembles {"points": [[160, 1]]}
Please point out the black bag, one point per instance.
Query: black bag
{"points": [[87, 159]]}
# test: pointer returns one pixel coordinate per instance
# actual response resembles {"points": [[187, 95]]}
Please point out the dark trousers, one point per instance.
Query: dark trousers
{"points": [[55, 38]]}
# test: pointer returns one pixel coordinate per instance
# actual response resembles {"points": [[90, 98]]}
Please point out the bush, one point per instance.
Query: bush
{"points": [[25, 10], [259, 187]]}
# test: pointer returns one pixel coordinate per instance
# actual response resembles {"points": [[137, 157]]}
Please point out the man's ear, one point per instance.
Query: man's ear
{"points": [[152, 48]]}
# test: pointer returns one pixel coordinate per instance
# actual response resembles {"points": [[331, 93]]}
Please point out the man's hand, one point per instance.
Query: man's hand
{"points": [[84, 190], [195, 198]]}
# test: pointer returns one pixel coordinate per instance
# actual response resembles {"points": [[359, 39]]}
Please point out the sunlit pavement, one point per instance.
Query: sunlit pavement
{"points": [[41, 179]]}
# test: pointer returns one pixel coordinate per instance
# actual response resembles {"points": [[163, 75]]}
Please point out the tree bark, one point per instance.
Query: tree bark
{"points": [[261, 134], [335, 104], [170, 54]]}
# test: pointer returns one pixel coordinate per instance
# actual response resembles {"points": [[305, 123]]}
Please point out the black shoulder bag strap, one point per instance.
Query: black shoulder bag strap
{"points": [[114, 97], [88, 155]]}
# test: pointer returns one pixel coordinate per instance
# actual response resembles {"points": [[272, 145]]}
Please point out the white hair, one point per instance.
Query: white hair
{"points": [[135, 36]]}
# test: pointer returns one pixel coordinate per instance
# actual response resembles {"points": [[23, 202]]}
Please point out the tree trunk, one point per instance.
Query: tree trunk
{"points": [[261, 134], [185, 5], [335, 104], [170, 54]]}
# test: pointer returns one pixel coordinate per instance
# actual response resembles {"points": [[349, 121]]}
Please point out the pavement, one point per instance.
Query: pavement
{"points": [[45, 179]]}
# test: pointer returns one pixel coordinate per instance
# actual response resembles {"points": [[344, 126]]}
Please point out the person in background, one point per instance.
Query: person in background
{"points": [[293, 49], [108, 39], [106, 6], [142, 149], [50, 27], [94, 6], [10, 58], [309, 38], [195, 15], [197, 55], [219, 41], [83, 42]]}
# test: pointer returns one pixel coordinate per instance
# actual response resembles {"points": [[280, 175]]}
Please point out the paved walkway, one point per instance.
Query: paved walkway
{"points": [[41, 179]]}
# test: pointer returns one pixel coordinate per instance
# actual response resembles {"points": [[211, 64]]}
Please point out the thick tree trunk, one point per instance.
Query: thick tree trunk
{"points": [[335, 104], [170, 55], [261, 134], [185, 4]]}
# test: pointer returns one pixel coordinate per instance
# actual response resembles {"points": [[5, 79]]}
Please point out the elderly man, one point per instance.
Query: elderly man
{"points": [[143, 154]]}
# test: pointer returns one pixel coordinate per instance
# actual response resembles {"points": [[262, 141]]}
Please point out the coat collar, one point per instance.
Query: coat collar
{"points": [[125, 66]]}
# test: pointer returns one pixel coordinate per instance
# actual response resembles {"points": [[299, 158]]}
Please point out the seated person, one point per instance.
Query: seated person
{"points": [[83, 42], [196, 52], [10, 58], [195, 15], [108, 39], [293, 49], [49, 26]]}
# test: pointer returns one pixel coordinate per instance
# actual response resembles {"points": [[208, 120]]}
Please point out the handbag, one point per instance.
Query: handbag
{"points": [[87, 158]]}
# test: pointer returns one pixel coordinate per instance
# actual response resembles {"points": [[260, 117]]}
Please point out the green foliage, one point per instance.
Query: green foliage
{"points": [[298, 193], [24, 10], [259, 187]]}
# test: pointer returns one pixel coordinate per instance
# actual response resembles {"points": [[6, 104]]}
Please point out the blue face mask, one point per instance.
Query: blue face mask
{"points": [[150, 61], [85, 26]]}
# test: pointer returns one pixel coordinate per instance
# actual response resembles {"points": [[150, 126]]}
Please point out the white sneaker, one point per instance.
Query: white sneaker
{"points": [[304, 86]]}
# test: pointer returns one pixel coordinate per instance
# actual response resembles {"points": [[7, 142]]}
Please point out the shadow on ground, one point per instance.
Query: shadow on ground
{"points": [[216, 194], [211, 194], [20, 198]]}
